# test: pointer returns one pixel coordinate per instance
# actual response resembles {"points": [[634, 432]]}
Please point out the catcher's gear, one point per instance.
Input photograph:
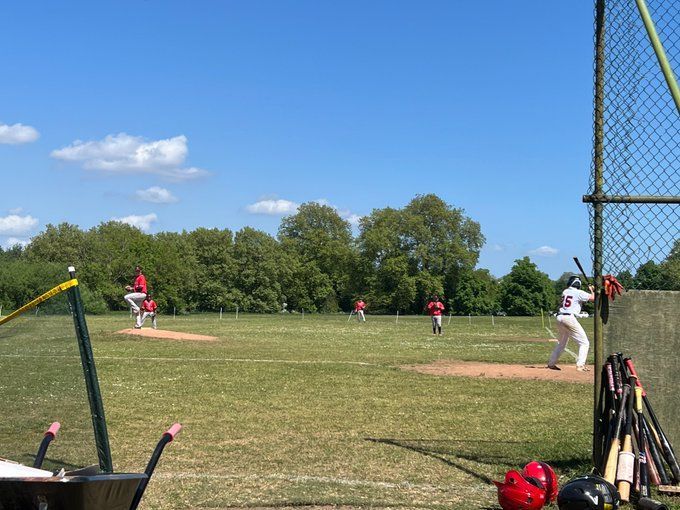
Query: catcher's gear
{"points": [[588, 492], [574, 281], [520, 493], [544, 474], [612, 287]]}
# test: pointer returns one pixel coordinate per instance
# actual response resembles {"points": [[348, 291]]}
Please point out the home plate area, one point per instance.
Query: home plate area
{"points": [[165, 335]]}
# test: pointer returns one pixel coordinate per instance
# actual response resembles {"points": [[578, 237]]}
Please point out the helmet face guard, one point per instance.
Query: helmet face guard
{"points": [[545, 474], [520, 493]]}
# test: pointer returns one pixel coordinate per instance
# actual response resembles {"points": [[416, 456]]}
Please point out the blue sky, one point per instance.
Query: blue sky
{"points": [[175, 115]]}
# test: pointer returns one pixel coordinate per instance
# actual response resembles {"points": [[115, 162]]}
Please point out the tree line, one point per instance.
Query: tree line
{"points": [[398, 259]]}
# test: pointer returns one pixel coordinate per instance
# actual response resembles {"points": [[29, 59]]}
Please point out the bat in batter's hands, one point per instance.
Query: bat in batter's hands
{"points": [[583, 273]]}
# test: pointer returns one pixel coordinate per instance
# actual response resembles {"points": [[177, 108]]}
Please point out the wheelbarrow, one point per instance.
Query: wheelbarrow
{"points": [[32, 488]]}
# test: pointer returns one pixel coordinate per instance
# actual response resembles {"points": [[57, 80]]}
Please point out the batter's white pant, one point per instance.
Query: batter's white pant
{"points": [[135, 300], [568, 326], [360, 316], [146, 315]]}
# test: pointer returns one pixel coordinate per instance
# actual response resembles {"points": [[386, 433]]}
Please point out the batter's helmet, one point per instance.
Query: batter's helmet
{"points": [[575, 282], [544, 474], [520, 493], [588, 492]]}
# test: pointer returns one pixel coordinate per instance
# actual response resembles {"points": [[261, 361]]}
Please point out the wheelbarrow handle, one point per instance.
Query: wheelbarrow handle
{"points": [[167, 437], [47, 439]]}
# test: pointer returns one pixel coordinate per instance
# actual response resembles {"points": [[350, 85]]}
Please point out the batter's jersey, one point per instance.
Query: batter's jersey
{"points": [[572, 299]]}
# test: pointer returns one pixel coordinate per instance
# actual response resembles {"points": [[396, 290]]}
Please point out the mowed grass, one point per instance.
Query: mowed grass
{"points": [[292, 411]]}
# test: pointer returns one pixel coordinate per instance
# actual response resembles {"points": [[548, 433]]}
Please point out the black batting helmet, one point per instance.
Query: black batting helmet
{"points": [[574, 281], [588, 492]]}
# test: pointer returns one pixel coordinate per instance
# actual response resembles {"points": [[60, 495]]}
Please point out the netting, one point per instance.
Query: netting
{"points": [[41, 381], [641, 135]]}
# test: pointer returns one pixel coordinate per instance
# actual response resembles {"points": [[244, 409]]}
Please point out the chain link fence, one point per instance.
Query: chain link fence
{"points": [[640, 151]]}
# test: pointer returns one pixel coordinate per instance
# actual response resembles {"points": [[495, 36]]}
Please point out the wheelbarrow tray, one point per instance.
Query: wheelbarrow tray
{"points": [[97, 492]]}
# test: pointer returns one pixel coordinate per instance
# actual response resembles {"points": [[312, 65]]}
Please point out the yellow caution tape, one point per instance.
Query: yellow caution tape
{"points": [[44, 297]]}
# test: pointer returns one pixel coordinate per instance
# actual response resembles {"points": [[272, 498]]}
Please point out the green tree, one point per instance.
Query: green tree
{"points": [[476, 293], [214, 269], [319, 235], [526, 290]]}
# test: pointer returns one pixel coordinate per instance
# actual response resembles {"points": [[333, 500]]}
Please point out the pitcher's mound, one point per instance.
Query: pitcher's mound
{"points": [[500, 371], [167, 335]]}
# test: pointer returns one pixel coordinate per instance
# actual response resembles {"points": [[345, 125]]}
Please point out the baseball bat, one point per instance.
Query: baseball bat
{"points": [[655, 455], [650, 504], [642, 455], [583, 273], [666, 447], [613, 455], [626, 465]]}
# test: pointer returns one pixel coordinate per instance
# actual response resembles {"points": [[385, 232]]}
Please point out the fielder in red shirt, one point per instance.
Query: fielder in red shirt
{"points": [[359, 310], [149, 306], [435, 309]]}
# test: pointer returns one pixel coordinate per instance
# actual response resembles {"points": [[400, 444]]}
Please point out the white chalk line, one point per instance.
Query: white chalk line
{"points": [[214, 360], [553, 339], [317, 479]]}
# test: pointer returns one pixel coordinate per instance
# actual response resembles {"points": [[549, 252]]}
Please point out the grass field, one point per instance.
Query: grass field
{"points": [[314, 411]]}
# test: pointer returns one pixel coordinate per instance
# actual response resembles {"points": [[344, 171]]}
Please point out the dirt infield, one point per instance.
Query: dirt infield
{"points": [[165, 335], [500, 371]]}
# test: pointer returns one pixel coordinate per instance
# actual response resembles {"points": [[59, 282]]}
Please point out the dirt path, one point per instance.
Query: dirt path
{"points": [[165, 335], [500, 371]]}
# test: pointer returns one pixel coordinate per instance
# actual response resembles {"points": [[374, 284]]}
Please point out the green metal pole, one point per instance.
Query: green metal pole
{"points": [[94, 395], [660, 53], [598, 166]]}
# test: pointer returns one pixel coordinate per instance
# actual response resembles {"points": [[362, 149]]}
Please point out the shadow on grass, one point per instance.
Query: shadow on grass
{"points": [[492, 453]]}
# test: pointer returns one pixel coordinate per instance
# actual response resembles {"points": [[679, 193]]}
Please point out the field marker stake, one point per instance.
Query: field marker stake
{"points": [[469, 320], [542, 319], [220, 313], [36, 310], [0, 310], [174, 312], [449, 323], [350, 315], [237, 311], [303, 313], [493, 322], [396, 322]]}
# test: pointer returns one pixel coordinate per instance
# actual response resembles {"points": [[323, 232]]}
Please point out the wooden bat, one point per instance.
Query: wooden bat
{"points": [[642, 456], [583, 273], [626, 465], [666, 447], [613, 455], [655, 455]]}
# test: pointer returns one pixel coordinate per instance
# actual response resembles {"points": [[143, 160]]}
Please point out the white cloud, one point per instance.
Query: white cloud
{"points": [[17, 134], [143, 223], [16, 210], [156, 195], [273, 207], [497, 247], [10, 242], [122, 153], [544, 251], [17, 225], [353, 219]]}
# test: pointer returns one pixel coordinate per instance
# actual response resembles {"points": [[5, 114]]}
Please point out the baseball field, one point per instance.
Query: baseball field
{"points": [[316, 411]]}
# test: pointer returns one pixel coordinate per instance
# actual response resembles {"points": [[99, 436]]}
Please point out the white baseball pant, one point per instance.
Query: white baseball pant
{"points": [[146, 315], [360, 316], [568, 326], [135, 300]]}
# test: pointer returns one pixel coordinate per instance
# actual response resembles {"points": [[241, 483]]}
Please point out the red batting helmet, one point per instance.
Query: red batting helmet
{"points": [[520, 493], [544, 474]]}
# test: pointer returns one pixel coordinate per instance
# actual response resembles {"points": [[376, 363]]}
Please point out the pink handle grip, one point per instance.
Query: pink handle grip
{"points": [[610, 377], [173, 431], [54, 428]]}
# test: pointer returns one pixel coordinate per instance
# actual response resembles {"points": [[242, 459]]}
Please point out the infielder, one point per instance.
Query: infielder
{"points": [[137, 294], [149, 307], [568, 326], [359, 310], [435, 309]]}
